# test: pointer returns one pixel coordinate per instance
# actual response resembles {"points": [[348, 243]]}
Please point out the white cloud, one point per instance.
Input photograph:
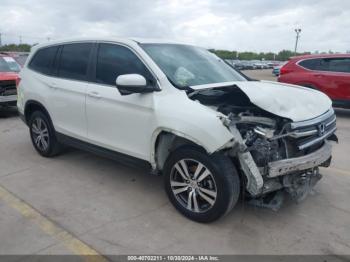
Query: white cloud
{"points": [[237, 25]]}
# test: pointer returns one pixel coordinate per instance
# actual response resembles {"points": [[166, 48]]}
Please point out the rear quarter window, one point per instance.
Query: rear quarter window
{"points": [[42, 61]]}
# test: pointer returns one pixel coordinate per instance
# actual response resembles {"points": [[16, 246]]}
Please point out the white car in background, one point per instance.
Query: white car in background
{"points": [[180, 111]]}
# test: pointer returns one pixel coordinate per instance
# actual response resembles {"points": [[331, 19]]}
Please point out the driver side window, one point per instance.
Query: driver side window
{"points": [[114, 60]]}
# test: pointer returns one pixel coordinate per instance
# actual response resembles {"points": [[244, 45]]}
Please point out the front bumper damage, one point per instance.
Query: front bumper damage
{"points": [[296, 176], [291, 165]]}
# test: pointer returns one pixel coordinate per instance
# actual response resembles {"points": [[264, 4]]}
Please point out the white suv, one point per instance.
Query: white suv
{"points": [[182, 112]]}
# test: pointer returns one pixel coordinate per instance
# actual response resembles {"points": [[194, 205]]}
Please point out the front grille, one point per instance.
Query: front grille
{"points": [[8, 88], [311, 132]]}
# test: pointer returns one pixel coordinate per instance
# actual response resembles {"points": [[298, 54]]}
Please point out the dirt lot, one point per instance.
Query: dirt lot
{"points": [[79, 203]]}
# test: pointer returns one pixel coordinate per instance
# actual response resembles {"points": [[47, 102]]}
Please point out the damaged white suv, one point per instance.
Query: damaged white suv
{"points": [[182, 112]]}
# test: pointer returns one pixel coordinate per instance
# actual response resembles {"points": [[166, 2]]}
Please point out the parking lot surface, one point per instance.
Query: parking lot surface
{"points": [[265, 74], [80, 203]]}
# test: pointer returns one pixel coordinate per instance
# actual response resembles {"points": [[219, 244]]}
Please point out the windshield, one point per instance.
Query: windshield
{"points": [[188, 65], [21, 59], [8, 64]]}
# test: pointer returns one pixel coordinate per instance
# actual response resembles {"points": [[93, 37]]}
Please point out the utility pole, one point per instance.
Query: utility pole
{"points": [[0, 40], [20, 39], [297, 31]]}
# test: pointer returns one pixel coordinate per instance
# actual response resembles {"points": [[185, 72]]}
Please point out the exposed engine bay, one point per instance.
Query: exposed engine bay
{"points": [[274, 152]]}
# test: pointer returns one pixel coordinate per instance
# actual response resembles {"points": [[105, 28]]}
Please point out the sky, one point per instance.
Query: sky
{"points": [[243, 25]]}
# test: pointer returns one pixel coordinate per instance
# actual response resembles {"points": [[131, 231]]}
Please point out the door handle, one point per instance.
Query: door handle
{"points": [[94, 94]]}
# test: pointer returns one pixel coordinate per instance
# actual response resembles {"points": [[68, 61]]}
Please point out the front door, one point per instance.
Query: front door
{"points": [[120, 123]]}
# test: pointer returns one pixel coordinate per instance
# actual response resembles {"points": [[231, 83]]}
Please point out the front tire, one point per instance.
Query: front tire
{"points": [[43, 135], [202, 187]]}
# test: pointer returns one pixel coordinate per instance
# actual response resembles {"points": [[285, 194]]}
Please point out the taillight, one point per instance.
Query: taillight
{"points": [[284, 70], [18, 79]]}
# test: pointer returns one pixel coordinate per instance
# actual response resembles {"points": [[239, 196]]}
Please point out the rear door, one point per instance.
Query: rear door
{"points": [[312, 75], [329, 75], [68, 89], [120, 123], [338, 77]]}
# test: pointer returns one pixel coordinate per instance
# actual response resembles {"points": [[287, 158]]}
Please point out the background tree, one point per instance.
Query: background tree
{"points": [[16, 48], [280, 56]]}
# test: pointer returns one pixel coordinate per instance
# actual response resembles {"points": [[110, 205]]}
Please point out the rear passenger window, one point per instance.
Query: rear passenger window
{"points": [[114, 60], [74, 61], [312, 64], [43, 60], [339, 64], [327, 64]]}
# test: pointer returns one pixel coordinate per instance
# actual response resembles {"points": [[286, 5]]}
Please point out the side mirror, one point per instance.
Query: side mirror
{"points": [[132, 83]]}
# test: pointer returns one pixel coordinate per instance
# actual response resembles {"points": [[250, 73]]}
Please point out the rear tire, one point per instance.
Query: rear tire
{"points": [[208, 189], [43, 135]]}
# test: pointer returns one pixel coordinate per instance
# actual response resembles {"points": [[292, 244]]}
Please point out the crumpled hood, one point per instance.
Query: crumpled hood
{"points": [[294, 102], [290, 101]]}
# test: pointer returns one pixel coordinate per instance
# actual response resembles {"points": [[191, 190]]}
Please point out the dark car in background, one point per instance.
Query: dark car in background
{"points": [[245, 65], [277, 67], [276, 70], [327, 73]]}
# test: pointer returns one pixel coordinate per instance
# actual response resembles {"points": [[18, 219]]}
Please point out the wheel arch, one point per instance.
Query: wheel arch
{"points": [[32, 106], [165, 140]]}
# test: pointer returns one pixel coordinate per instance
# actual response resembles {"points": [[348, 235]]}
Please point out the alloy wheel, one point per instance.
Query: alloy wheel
{"points": [[40, 134], [193, 185]]}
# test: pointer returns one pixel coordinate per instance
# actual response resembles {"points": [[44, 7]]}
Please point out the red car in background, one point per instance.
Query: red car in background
{"points": [[20, 57], [327, 73], [9, 79]]}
